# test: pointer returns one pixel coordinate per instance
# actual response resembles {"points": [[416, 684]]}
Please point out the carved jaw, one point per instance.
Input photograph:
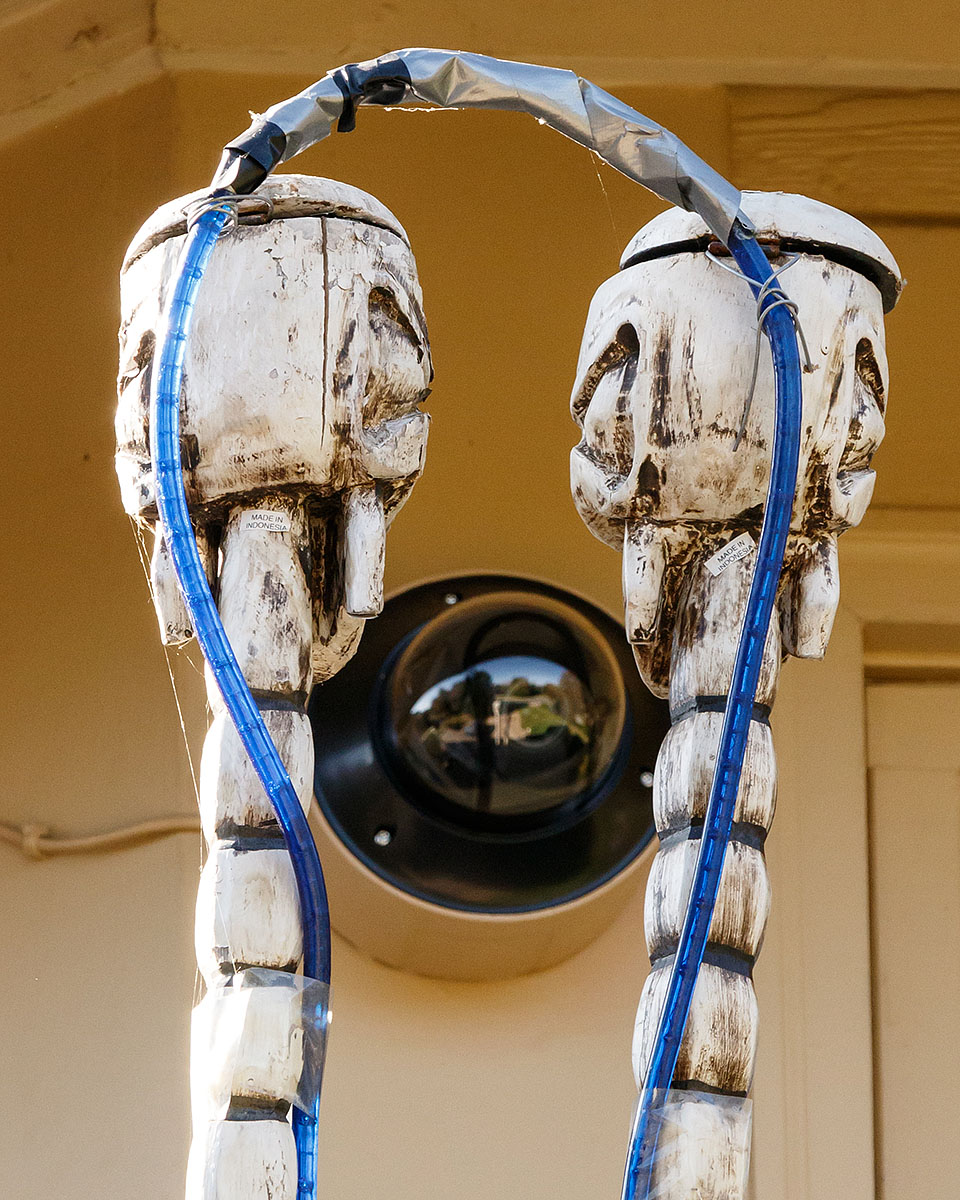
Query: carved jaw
{"points": [[655, 558]]}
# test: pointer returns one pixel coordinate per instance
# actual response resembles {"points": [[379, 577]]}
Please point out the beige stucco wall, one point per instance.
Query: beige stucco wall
{"points": [[432, 1087]]}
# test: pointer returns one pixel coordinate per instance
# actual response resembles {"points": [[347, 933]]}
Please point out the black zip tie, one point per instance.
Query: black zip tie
{"points": [[723, 957], [744, 832]]}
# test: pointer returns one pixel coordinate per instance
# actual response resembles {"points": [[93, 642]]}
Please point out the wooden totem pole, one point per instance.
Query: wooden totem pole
{"points": [[672, 470], [301, 437]]}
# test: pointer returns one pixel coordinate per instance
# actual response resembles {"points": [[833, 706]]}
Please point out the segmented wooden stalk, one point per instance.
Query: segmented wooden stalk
{"points": [[248, 908], [718, 1051]]}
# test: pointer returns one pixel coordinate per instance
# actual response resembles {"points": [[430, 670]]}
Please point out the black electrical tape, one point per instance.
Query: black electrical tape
{"points": [[250, 158], [744, 832], [723, 957], [383, 83], [699, 704], [246, 1110], [268, 839], [274, 702], [697, 1085]]}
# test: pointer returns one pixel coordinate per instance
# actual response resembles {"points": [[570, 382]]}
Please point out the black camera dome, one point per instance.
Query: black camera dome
{"points": [[489, 747]]}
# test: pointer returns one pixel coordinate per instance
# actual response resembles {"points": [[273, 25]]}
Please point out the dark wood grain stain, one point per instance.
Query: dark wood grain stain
{"points": [[661, 430]]}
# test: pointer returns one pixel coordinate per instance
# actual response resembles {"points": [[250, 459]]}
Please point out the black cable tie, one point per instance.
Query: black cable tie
{"points": [[697, 1085], [267, 840], [276, 702]]}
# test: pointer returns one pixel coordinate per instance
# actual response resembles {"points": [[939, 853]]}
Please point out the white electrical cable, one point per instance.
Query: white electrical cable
{"points": [[36, 841]]}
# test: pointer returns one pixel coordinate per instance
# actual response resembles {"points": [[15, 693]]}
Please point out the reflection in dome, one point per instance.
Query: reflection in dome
{"points": [[514, 733]]}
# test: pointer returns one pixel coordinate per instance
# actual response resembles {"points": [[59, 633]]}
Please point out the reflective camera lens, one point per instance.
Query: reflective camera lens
{"points": [[502, 708]]}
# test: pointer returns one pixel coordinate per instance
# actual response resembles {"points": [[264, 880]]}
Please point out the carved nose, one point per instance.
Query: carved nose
{"points": [[395, 449]]}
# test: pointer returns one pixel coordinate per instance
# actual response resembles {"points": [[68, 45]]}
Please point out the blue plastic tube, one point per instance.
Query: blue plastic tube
{"points": [[736, 723], [178, 532]]}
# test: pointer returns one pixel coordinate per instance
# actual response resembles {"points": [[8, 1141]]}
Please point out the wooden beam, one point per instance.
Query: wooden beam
{"points": [[51, 48], [872, 153]]}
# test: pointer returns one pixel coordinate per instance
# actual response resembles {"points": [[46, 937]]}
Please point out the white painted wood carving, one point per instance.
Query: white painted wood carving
{"points": [[301, 437], [663, 381]]}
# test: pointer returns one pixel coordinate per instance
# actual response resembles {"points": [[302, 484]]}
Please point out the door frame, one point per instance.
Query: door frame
{"points": [[814, 1121]]}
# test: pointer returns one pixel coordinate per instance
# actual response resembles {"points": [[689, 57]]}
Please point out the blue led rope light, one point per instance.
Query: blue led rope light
{"points": [[201, 237], [782, 333]]}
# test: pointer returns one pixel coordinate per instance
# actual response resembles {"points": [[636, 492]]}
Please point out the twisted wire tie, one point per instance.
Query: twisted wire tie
{"points": [[779, 299], [258, 210]]}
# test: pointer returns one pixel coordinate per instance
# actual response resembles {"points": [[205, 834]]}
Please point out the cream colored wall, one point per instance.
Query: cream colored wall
{"points": [[915, 875], [431, 1086]]}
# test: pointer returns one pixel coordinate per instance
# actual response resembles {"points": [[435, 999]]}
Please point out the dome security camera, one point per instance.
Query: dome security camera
{"points": [[484, 786]]}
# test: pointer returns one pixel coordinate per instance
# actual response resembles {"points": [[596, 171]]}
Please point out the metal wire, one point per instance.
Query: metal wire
{"points": [[235, 207], [777, 297]]}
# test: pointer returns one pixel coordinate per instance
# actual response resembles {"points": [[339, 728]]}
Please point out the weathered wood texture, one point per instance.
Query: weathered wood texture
{"points": [[301, 437], [233, 1160], [175, 628], [662, 385], [248, 912], [304, 375], [661, 393], [718, 1052], [306, 368]]}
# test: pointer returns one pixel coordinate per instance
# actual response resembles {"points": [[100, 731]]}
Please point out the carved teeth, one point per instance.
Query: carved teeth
{"points": [[644, 564], [364, 546], [175, 627], [810, 604], [854, 491]]}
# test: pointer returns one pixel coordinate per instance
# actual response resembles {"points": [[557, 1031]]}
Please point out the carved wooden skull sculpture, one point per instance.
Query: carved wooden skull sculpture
{"points": [[662, 385], [301, 436], [674, 469], [306, 365]]}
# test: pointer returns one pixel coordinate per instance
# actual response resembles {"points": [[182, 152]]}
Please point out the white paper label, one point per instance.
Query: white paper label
{"points": [[732, 552], [263, 521]]}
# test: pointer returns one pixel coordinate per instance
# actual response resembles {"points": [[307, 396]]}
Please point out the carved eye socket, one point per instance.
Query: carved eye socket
{"points": [[138, 364], [133, 393], [385, 311], [395, 384], [868, 372], [602, 406], [621, 356], [867, 410]]}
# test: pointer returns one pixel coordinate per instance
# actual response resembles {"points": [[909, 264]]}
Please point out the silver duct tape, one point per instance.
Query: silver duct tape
{"points": [[258, 1040], [698, 1144], [632, 143]]}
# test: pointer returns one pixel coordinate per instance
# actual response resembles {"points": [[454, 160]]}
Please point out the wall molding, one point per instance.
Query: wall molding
{"points": [[900, 576], [620, 70]]}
